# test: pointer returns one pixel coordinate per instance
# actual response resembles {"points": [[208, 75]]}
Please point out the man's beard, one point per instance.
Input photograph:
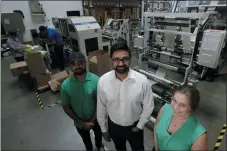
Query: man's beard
{"points": [[122, 70], [79, 71]]}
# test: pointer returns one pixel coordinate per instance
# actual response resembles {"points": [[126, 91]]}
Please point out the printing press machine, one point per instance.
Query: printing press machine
{"points": [[172, 50], [84, 34], [80, 33]]}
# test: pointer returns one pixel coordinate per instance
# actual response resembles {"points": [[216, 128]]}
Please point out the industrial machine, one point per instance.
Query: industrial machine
{"points": [[80, 33], [115, 28], [84, 33], [212, 33], [135, 28], [8, 21], [174, 45]]}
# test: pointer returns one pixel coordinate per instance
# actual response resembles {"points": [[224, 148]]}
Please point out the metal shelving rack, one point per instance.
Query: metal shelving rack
{"points": [[116, 9]]}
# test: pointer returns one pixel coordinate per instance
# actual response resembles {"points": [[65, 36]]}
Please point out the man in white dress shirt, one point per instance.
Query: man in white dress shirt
{"points": [[125, 101]]}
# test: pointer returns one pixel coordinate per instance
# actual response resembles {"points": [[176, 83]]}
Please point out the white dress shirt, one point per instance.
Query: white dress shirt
{"points": [[125, 102]]}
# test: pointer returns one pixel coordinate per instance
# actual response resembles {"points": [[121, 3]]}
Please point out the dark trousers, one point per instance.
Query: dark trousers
{"points": [[85, 134], [59, 56], [53, 58], [19, 59], [121, 134]]}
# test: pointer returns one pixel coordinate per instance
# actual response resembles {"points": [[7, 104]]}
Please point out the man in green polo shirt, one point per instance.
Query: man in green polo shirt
{"points": [[78, 98]]}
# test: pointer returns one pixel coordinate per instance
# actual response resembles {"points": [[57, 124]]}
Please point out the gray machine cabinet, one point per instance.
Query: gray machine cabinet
{"points": [[12, 22], [211, 47]]}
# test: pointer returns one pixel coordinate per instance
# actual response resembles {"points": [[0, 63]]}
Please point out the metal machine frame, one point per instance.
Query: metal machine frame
{"points": [[77, 30], [186, 33], [115, 28], [81, 34], [161, 30], [134, 28]]}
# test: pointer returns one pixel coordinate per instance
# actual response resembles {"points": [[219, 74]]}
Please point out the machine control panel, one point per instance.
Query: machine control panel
{"points": [[211, 47]]}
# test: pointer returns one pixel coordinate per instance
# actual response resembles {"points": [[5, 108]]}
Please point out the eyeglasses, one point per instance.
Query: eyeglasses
{"points": [[118, 60]]}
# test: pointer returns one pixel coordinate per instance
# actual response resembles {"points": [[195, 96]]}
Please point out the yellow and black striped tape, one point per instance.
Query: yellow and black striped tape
{"points": [[39, 100], [41, 103], [220, 137], [105, 148]]}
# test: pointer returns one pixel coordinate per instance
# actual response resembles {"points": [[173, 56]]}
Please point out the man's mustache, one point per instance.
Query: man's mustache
{"points": [[78, 69], [121, 66]]}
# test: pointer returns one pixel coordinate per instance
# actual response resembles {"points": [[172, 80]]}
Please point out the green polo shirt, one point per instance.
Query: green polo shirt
{"points": [[80, 95]]}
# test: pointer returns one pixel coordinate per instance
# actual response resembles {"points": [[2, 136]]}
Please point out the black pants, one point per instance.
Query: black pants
{"points": [[121, 134], [19, 59], [53, 58], [85, 134], [59, 56]]}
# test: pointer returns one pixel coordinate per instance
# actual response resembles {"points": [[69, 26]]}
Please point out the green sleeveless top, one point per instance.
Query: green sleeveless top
{"points": [[183, 138]]}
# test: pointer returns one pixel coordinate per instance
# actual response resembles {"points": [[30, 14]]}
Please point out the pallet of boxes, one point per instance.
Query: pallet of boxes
{"points": [[19, 68], [38, 70], [44, 78], [99, 64], [35, 65]]}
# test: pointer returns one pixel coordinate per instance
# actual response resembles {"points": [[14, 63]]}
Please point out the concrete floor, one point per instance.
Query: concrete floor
{"points": [[26, 127]]}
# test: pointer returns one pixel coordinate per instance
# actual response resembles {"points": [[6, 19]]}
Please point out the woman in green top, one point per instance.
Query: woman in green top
{"points": [[176, 128]]}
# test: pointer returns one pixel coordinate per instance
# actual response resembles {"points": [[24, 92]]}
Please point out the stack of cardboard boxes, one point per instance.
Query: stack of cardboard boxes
{"points": [[99, 64], [18, 68], [37, 69]]}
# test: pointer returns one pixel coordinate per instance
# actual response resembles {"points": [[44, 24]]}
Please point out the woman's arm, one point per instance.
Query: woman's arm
{"points": [[201, 143], [155, 124]]}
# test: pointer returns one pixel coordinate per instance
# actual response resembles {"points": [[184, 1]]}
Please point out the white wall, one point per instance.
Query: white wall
{"points": [[51, 8]]}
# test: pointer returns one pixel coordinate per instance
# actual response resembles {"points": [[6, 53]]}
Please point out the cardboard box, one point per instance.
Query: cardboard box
{"points": [[42, 79], [70, 73], [36, 64], [57, 80], [18, 68], [99, 62], [60, 76]]}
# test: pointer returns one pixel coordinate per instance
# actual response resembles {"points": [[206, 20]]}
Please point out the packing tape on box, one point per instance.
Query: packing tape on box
{"points": [[220, 137]]}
